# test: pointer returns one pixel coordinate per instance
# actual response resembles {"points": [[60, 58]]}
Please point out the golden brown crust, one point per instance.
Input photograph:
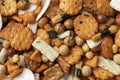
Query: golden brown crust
{"points": [[92, 62], [71, 7], [23, 39], [85, 26], [53, 10], [43, 35], [74, 56], [106, 47], [103, 74], [117, 38], [99, 7], [9, 8], [10, 30]]}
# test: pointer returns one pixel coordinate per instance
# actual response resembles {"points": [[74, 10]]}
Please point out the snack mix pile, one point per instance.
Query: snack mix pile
{"points": [[80, 38]]}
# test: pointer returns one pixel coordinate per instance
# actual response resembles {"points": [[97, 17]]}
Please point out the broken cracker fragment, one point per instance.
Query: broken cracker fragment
{"points": [[53, 73], [63, 64], [36, 56], [103, 74], [15, 73], [45, 49], [74, 56], [12, 67], [92, 62], [5, 78], [42, 68]]}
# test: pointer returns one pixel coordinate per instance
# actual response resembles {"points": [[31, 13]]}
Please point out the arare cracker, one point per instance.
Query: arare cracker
{"points": [[103, 74], [22, 39], [74, 56], [10, 30], [92, 62], [53, 73], [99, 7], [15, 73], [42, 68], [53, 9], [85, 25], [36, 56], [71, 7], [106, 47], [63, 64], [8, 7]]}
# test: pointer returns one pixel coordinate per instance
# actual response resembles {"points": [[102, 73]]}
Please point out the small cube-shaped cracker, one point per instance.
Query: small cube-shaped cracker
{"points": [[53, 73]]}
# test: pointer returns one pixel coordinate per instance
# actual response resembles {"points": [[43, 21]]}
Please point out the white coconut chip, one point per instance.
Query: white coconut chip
{"points": [[1, 23], [109, 65], [64, 34], [67, 77], [27, 74], [44, 8], [33, 27], [93, 44], [115, 4], [45, 49]]}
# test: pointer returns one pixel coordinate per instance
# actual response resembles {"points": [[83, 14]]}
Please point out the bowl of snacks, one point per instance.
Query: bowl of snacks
{"points": [[59, 40]]}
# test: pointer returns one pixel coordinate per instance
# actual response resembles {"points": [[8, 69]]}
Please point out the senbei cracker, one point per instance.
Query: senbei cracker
{"points": [[59, 39]]}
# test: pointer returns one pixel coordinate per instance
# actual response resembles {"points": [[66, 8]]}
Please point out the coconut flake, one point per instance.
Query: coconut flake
{"points": [[110, 65], [1, 22], [115, 4], [93, 44], [33, 27], [45, 6], [45, 49], [64, 34], [27, 74], [31, 8], [67, 77]]}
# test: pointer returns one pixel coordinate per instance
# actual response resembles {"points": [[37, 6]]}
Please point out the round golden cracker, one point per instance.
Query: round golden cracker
{"points": [[85, 26], [117, 38], [10, 30], [74, 56], [23, 39], [99, 7], [71, 7], [8, 7]]}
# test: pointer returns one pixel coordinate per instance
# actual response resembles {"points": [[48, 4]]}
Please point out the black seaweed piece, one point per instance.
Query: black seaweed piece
{"points": [[77, 73], [52, 34], [64, 16], [106, 32]]}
